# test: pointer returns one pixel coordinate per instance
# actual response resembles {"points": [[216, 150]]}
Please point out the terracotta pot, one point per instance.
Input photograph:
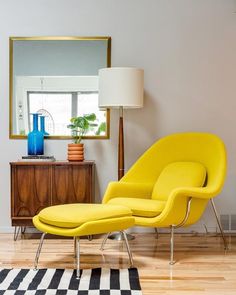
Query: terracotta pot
{"points": [[75, 152]]}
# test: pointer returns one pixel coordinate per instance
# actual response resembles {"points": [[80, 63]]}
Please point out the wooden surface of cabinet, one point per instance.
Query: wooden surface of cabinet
{"points": [[36, 185]]}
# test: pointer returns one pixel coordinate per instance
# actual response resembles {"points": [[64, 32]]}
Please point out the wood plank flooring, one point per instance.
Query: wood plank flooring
{"points": [[202, 266]]}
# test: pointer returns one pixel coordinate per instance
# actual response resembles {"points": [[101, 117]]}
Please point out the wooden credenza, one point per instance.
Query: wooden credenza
{"points": [[36, 185]]}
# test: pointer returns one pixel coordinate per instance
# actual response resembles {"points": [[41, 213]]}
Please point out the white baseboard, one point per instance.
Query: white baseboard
{"points": [[6, 229], [136, 229], [191, 229], [10, 230]]}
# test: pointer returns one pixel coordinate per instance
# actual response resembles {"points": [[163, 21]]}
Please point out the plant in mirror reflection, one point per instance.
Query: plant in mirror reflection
{"points": [[101, 128]]}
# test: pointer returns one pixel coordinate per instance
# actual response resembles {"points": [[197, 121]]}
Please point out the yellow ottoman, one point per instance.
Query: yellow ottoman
{"points": [[75, 220]]}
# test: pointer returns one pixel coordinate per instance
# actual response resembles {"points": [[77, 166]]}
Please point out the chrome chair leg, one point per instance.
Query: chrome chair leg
{"points": [[172, 227], [172, 262], [39, 251], [104, 241], [119, 237], [75, 247], [204, 225], [219, 225], [128, 248], [77, 251], [16, 232], [157, 234]]}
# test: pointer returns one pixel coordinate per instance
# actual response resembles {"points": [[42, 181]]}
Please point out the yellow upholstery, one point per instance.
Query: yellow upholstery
{"points": [[206, 150], [76, 220], [178, 174], [74, 215], [139, 207]]}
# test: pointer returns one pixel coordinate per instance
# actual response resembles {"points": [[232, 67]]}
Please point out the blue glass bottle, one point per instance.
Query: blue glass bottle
{"points": [[42, 125], [35, 139]]}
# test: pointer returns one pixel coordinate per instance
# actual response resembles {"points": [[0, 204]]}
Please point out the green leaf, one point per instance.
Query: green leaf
{"points": [[72, 119], [71, 126], [78, 121], [90, 117], [86, 124], [101, 128]]}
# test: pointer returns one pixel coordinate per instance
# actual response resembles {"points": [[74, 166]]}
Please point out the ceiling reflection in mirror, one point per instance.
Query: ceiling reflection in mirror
{"points": [[57, 78]]}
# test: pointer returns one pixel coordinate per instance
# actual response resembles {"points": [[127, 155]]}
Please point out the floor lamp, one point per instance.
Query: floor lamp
{"points": [[121, 88]]}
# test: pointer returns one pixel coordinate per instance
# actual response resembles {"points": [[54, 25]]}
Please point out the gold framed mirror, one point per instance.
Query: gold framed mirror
{"points": [[57, 77]]}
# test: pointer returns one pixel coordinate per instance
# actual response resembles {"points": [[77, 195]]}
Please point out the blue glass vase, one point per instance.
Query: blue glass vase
{"points": [[42, 125], [35, 139]]}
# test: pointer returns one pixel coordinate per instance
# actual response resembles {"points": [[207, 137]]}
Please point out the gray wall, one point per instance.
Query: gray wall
{"points": [[187, 49]]}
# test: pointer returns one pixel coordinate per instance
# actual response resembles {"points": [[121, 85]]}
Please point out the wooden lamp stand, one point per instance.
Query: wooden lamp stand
{"points": [[121, 168]]}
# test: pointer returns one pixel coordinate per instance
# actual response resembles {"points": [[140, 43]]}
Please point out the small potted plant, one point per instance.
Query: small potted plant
{"points": [[79, 127]]}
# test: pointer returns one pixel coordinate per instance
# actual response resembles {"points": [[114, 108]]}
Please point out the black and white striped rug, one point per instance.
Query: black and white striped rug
{"points": [[98, 281]]}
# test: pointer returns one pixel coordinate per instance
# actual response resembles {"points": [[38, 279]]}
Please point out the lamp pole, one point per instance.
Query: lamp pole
{"points": [[121, 169]]}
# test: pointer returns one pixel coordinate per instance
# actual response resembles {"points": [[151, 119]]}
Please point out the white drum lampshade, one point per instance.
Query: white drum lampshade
{"points": [[121, 87]]}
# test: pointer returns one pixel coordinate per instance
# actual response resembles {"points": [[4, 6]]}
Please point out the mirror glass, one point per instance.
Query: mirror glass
{"points": [[57, 77]]}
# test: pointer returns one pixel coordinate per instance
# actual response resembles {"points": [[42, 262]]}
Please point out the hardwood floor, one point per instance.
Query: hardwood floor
{"points": [[202, 266]]}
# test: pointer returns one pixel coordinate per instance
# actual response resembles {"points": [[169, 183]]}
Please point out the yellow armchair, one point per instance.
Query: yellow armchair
{"points": [[172, 182]]}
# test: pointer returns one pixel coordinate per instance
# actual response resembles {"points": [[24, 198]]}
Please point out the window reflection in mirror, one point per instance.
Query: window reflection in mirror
{"points": [[58, 79], [58, 107]]}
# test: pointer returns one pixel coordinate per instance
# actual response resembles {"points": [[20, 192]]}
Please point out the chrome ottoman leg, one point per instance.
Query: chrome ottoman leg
{"points": [[172, 262], [77, 257], [128, 248], [39, 251], [104, 241]]}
